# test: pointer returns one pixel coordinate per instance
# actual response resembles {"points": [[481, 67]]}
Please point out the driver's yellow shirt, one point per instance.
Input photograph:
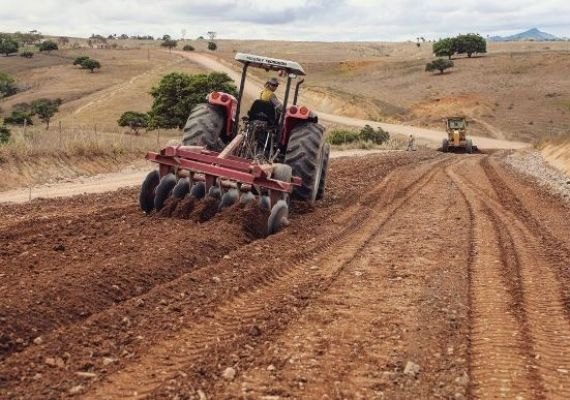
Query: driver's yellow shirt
{"points": [[266, 95]]}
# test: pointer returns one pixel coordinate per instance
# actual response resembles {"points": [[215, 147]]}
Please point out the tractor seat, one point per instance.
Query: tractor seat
{"points": [[262, 111]]}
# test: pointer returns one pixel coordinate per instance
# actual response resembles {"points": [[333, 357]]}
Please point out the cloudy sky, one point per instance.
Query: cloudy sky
{"points": [[332, 20]]}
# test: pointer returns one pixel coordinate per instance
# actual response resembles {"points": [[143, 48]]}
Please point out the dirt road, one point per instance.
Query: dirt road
{"points": [[421, 276], [253, 88]]}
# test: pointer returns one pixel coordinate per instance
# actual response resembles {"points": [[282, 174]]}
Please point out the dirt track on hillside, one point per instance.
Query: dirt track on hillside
{"points": [[422, 275]]}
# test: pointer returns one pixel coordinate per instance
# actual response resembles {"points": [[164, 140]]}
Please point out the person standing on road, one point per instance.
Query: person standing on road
{"points": [[268, 94], [411, 143]]}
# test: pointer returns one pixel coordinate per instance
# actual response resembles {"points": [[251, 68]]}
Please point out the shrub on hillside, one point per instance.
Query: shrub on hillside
{"points": [[134, 120], [8, 45], [177, 93], [188, 48], [48, 46], [212, 46], [90, 64], [80, 59], [7, 85], [439, 65], [170, 44], [19, 118], [26, 54], [365, 135], [4, 134], [378, 136]]}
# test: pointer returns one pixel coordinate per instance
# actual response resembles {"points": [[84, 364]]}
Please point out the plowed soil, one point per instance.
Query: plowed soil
{"points": [[421, 276]]}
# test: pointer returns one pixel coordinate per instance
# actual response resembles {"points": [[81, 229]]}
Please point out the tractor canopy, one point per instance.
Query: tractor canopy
{"points": [[273, 64]]}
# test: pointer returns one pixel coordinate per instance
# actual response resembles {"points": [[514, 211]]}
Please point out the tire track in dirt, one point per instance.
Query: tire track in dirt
{"points": [[353, 340], [189, 346], [528, 321]]}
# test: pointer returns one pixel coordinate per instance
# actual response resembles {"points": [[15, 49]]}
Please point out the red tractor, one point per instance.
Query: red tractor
{"points": [[269, 157]]}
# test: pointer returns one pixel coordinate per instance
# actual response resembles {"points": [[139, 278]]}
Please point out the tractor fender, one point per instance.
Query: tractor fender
{"points": [[229, 104], [293, 116]]}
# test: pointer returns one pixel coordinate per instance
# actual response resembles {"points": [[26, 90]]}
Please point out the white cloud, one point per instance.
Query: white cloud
{"points": [[330, 20]]}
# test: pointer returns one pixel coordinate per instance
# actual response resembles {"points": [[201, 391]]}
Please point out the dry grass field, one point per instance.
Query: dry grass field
{"points": [[84, 137], [516, 91]]}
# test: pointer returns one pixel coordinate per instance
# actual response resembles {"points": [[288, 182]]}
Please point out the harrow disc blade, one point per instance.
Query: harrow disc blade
{"points": [[146, 195], [198, 190], [163, 190], [229, 198], [278, 217]]}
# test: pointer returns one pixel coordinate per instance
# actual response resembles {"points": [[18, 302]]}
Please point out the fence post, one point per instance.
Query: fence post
{"points": [[158, 137]]}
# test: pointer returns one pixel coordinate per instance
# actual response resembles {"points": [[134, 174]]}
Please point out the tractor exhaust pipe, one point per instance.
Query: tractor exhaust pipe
{"points": [[297, 87]]}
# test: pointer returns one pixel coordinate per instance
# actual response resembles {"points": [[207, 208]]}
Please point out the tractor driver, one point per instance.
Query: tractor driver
{"points": [[268, 94]]}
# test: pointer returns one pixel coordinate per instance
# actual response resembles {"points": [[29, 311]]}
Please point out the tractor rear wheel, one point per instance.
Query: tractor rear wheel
{"points": [[323, 181], [204, 127], [305, 156], [445, 145]]}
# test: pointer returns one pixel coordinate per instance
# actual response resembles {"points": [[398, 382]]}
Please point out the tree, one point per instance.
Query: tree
{"points": [[439, 65], [8, 45], [90, 64], [7, 86], [177, 93], [45, 109], [470, 44], [368, 134], [444, 47], [188, 47], [212, 46], [80, 60], [169, 44], [26, 54], [124, 36], [4, 134], [134, 120], [48, 46], [166, 37]]}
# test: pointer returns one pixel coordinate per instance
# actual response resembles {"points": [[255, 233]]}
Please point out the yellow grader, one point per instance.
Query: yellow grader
{"points": [[456, 128]]}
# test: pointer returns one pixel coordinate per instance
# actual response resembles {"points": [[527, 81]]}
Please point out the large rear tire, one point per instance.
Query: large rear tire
{"points": [[469, 146], [445, 145], [323, 181], [305, 156], [204, 127]]}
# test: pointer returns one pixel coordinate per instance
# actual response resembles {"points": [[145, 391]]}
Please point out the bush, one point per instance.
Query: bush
{"points": [[177, 93], [134, 120], [19, 118], [7, 86], [439, 65], [365, 135], [4, 134], [8, 45], [90, 64], [342, 136], [188, 48], [212, 46], [48, 46], [378, 136], [169, 43], [26, 54], [79, 60]]}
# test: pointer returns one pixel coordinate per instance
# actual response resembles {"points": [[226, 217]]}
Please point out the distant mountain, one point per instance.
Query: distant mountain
{"points": [[532, 34]]}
